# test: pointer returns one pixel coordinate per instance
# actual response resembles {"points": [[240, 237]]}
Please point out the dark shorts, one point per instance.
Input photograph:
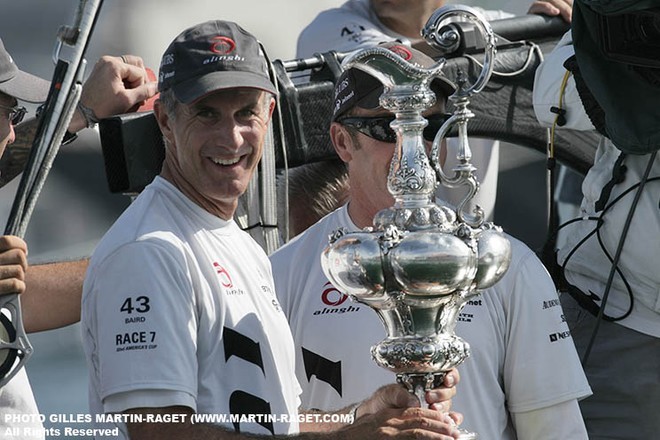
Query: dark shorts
{"points": [[623, 369]]}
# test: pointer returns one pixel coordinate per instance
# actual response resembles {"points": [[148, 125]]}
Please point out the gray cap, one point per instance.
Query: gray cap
{"points": [[212, 56], [21, 85]]}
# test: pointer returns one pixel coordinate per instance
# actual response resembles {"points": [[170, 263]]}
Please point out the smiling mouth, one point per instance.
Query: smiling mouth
{"points": [[226, 162]]}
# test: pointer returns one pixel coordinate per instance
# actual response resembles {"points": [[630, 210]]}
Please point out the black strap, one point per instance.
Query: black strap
{"points": [[593, 109], [68, 136], [587, 302], [618, 176]]}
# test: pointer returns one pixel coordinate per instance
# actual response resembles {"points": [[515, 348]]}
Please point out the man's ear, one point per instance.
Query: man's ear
{"points": [[271, 108], [342, 141], [164, 121]]}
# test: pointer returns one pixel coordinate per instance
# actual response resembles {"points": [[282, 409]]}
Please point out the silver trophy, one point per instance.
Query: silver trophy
{"points": [[421, 262]]}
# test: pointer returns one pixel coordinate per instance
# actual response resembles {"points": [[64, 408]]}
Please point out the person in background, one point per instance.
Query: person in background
{"points": [[604, 75], [198, 292], [516, 329], [50, 294], [358, 24]]}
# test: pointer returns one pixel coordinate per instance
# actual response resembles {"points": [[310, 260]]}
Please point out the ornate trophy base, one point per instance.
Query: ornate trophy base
{"points": [[419, 384]]}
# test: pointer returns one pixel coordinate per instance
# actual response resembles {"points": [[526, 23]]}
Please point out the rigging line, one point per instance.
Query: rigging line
{"points": [[596, 230], [623, 279], [617, 255], [533, 48]]}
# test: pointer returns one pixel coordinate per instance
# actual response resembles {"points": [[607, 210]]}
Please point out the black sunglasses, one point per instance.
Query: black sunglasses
{"points": [[15, 114], [378, 128]]}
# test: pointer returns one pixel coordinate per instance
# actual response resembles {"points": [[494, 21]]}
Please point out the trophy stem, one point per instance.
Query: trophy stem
{"points": [[419, 384], [420, 392]]}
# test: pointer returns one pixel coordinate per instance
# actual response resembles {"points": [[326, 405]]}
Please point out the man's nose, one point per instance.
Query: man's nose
{"points": [[228, 133], [12, 134]]}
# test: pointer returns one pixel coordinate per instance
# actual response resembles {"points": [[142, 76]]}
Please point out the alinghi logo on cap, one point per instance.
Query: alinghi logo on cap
{"points": [[223, 47]]}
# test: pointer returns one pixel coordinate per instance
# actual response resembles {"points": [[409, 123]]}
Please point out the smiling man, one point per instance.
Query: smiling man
{"points": [[179, 314]]}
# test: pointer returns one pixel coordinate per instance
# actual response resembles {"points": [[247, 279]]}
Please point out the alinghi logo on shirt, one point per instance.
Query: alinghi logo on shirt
{"points": [[340, 310], [333, 298]]}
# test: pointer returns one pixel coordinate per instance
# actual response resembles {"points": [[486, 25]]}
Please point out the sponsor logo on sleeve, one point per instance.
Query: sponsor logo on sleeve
{"points": [[558, 336], [548, 304], [465, 315], [135, 311]]}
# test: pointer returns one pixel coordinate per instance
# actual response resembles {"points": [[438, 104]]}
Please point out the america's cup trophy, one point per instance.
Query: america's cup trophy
{"points": [[421, 262]]}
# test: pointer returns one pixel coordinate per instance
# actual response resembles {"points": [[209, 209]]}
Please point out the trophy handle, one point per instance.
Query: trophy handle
{"points": [[439, 34]]}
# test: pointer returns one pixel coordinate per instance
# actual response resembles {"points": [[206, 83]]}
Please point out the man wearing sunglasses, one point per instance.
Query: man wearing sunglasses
{"points": [[50, 293], [520, 344], [358, 24], [379, 127]]}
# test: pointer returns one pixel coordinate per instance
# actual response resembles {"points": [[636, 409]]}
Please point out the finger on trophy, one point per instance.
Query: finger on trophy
{"points": [[456, 417], [440, 398], [451, 378], [443, 406]]}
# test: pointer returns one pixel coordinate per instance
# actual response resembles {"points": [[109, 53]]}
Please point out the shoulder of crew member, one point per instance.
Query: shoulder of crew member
{"points": [[339, 30]]}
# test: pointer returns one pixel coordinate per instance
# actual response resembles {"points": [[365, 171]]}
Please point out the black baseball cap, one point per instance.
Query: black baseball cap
{"points": [[21, 85], [211, 56], [356, 88]]}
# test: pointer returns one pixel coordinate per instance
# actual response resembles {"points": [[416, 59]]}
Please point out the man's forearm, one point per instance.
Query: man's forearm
{"points": [[322, 421], [15, 157], [52, 295]]}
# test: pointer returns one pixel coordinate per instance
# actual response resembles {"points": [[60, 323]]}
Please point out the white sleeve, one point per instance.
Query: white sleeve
{"points": [[344, 31], [495, 14], [338, 30], [562, 420], [117, 403], [547, 89], [146, 328], [538, 344]]}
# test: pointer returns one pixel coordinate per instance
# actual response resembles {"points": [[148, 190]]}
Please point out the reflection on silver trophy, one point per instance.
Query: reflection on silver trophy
{"points": [[421, 262]]}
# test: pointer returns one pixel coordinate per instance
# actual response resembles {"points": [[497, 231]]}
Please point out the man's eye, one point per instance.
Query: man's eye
{"points": [[246, 113], [206, 114]]}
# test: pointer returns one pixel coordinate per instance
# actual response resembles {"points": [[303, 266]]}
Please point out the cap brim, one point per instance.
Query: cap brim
{"points": [[194, 89], [26, 87]]}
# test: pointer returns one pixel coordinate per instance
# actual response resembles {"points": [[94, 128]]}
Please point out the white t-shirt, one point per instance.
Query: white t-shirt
{"points": [[588, 268], [523, 358], [179, 308], [19, 416], [354, 25]]}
